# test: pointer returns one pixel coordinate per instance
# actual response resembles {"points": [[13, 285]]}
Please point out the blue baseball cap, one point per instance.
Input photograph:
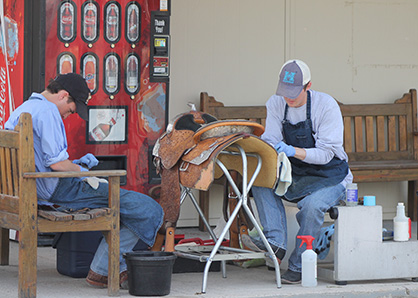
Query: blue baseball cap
{"points": [[294, 75]]}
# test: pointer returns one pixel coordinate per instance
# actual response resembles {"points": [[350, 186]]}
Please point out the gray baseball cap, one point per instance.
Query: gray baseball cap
{"points": [[294, 75]]}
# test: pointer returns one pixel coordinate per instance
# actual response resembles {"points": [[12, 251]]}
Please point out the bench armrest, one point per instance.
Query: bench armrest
{"points": [[100, 173]]}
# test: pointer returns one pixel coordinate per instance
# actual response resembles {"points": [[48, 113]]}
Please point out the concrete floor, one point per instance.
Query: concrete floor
{"points": [[240, 282]]}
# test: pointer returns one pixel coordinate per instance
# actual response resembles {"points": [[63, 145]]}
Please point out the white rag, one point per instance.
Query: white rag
{"points": [[284, 169], [94, 181]]}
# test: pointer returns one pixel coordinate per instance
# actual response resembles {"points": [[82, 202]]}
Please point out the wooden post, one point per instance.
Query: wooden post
{"points": [[113, 238]]}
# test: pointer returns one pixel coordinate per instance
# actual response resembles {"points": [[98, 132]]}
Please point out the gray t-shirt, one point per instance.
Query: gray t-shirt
{"points": [[327, 124]]}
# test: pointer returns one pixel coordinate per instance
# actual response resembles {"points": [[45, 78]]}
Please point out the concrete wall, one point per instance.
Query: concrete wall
{"points": [[358, 51]]}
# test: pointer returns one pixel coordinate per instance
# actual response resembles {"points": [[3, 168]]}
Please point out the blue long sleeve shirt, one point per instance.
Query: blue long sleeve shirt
{"points": [[49, 137]]}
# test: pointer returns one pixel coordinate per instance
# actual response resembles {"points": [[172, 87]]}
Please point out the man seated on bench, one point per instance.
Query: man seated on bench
{"points": [[308, 127], [140, 215]]}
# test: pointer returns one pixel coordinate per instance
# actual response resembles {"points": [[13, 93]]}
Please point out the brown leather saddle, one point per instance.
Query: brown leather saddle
{"points": [[185, 155]]}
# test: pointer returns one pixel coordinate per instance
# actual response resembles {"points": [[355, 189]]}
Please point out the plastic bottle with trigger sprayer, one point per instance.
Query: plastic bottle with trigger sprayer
{"points": [[309, 259]]}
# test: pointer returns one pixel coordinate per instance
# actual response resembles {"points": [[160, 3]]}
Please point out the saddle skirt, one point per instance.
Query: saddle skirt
{"points": [[179, 137]]}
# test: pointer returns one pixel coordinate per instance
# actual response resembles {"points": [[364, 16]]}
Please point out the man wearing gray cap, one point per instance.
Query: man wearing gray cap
{"points": [[307, 126], [140, 216]]}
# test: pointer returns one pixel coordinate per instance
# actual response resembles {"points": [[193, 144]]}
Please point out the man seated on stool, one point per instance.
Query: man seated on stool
{"points": [[308, 127], [140, 216]]}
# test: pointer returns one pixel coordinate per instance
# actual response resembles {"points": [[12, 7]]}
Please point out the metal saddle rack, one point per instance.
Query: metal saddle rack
{"points": [[218, 252], [195, 150]]}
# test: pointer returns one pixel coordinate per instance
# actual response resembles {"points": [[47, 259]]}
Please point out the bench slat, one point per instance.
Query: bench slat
{"points": [[9, 172], [3, 171], [9, 139], [98, 173], [9, 220], [369, 134], [55, 215], [358, 130], [362, 110], [392, 133], [14, 172], [347, 135], [403, 134], [381, 137], [9, 203]]}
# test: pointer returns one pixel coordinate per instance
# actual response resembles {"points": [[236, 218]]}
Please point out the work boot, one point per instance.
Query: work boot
{"points": [[258, 245], [100, 281], [291, 277]]}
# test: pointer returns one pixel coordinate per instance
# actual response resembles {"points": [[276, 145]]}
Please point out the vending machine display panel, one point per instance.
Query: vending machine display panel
{"points": [[107, 125]]}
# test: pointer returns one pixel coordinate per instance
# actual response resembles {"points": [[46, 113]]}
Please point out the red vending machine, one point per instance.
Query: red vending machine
{"points": [[121, 47]]}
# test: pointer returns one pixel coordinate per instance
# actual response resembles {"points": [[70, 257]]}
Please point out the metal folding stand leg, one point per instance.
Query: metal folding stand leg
{"points": [[224, 253]]}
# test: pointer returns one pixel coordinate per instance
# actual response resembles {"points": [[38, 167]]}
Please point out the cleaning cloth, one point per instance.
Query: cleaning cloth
{"points": [[285, 174]]}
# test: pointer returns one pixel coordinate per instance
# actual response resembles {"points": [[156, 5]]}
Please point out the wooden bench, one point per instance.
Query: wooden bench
{"points": [[19, 208], [381, 140]]}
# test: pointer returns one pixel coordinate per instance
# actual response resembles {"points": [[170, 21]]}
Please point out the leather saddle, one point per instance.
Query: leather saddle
{"points": [[185, 155]]}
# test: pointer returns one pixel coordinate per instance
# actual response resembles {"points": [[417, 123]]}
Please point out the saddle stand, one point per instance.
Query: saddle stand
{"points": [[195, 150], [218, 252]]}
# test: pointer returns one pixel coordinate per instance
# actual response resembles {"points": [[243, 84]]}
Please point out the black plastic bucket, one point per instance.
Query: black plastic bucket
{"points": [[149, 272]]}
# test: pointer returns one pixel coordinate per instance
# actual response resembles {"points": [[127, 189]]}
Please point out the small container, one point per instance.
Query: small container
{"points": [[401, 224], [369, 200], [351, 194]]}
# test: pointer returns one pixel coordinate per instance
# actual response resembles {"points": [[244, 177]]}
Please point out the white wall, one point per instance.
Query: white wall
{"points": [[358, 51]]}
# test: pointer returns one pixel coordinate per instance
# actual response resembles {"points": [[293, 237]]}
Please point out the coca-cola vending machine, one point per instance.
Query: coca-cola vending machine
{"points": [[121, 48]]}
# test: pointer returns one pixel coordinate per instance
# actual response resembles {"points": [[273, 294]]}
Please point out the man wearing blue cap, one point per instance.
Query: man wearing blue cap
{"points": [[140, 216], [307, 126]]}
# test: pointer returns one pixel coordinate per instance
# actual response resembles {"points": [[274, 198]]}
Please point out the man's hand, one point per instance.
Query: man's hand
{"points": [[89, 160], [287, 149]]}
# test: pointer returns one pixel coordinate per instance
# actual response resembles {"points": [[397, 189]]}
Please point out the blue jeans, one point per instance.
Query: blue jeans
{"points": [[141, 216], [310, 217], [100, 261]]}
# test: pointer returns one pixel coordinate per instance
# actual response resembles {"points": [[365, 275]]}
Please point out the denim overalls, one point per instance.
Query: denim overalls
{"points": [[307, 178], [315, 188]]}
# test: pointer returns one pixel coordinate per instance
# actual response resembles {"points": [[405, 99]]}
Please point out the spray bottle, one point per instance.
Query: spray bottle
{"points": [[308, 262], [401, 224]]}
